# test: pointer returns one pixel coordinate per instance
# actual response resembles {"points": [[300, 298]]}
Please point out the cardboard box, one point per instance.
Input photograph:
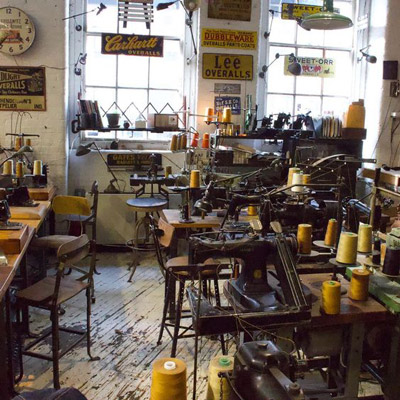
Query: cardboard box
{"points": [[163, 121]]}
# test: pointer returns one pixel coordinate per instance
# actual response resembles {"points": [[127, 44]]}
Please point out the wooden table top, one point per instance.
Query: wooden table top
{"points": [[8, 272], [38, 212], [351, 311], [209, 221], [46, 193]]}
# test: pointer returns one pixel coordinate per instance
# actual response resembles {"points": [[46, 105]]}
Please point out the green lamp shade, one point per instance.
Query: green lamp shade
{"points": [[326, 21]]}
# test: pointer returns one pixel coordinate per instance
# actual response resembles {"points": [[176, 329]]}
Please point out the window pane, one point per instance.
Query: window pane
{"points": [[133, 71], [341, 37], [278, 82], [282, 31], [309, 84], [166, 22], [279, 104], [334, 105], [305, 104], [159, 98], [340, 85], [100, 69], [167, 72], [106, 21], [130, 100]]}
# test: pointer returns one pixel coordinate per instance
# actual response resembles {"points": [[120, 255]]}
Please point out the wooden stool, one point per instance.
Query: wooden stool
{"points": [[148, 206]]}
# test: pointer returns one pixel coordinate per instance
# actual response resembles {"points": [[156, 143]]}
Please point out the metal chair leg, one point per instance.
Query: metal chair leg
{"points": [[55, 346], [165, 309], [218, 302], [196, 351], [88, 328], [178, 314]]}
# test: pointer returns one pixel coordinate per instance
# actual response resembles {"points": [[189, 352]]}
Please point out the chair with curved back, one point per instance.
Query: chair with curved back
{"points": [[52, 292], [75, 210]]}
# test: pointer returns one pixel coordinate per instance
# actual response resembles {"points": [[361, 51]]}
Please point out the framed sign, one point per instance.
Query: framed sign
{"points": [[313, 66], [135, 160], [228, 39], [132, 45], [22, 89], [298, 11], [237, 67], [228, 88], [228, 102], [238, 10]]}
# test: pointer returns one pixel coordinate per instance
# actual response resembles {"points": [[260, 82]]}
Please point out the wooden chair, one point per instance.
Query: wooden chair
{"points": [[76, 210], [177, 269], [51, 292]]}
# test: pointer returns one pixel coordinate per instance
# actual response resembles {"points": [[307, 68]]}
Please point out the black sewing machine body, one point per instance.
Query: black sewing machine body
{"points": [[255, 290]]}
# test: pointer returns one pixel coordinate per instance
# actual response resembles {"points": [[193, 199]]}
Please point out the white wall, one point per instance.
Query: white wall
{"points": [[49, 50]]}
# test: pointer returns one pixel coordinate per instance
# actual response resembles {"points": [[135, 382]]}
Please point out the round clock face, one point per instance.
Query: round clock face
{"points": [[17, 31]]}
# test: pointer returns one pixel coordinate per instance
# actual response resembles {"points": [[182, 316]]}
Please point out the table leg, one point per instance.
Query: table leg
{"points": [[6, 385], [354, 361], [52, 222], [392, 382]]}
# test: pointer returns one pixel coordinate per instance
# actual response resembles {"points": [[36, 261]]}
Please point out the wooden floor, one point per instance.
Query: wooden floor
{"points": [[125, 321]]}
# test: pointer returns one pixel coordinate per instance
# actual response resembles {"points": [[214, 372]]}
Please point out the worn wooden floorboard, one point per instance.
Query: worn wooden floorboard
{"points": [[125, 327]]}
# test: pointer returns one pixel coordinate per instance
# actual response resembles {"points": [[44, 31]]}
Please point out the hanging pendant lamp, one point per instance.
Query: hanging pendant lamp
{"points": [[327, 19]]}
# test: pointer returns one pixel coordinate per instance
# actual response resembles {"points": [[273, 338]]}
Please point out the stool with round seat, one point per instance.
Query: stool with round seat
{"points": [[148, 206]]}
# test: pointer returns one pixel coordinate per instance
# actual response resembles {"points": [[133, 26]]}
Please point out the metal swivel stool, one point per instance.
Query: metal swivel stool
{"points": [[148, 206]]}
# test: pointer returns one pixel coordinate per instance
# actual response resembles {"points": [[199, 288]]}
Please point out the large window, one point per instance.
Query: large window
{"points": [[134, 81], [301, 94]]}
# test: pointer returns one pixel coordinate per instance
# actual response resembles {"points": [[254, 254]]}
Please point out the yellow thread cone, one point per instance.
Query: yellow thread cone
{"points": [[331, 233], [8, 167], [359, 285], [219, 364], [19, 169], [252, 211], [174, 143], [306, 179], [331, 297], [292, 171], [195, 179], [37, 167], [304, 236], [364, 238], [168, 380], [383, 252], [347, 249]]}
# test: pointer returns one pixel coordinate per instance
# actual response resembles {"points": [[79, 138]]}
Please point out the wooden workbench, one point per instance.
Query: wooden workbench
{"points": [[208, 222]]}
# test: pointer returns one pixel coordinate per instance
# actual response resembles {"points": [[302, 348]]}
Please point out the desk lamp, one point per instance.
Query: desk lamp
{"points": [[294, 68], [86, 149], [327, 19], [23, 149]]}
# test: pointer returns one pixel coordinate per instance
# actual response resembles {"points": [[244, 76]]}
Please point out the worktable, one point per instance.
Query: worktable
{"points": [[46, 193]]}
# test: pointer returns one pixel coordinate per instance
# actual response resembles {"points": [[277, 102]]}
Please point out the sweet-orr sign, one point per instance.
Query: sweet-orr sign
{"points": [[132, 45]]}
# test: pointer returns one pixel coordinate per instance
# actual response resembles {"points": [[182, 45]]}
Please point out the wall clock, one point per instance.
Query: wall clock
{"points": [[17, 31]]}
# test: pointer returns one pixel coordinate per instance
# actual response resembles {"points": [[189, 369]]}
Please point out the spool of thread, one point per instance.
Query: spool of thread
{"points": [[304, 237], [184, 142], [306, 179], [219, 116], [364, 238], [292, 171], [168, 380], [195, 140], [359, 285], [347, 249], [391, 265], [37, 167], [179, 143], [174, 143], [206, 141], [227, 115], [331, 297], [8, 168], [28, 142], [252, 211], [331, 233], [18, 143], [217, 365], [383, 252], [168, 171], [194, 179], [297, 179], [209, 114], [19, 169]]}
